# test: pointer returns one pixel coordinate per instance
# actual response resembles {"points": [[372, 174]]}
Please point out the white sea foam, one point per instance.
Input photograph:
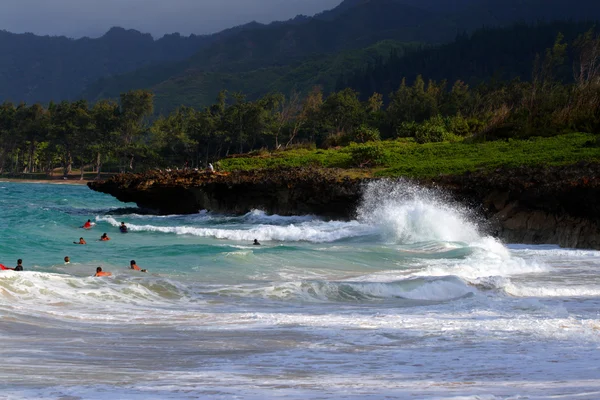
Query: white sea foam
{"points": [[313, 231], [407, 213]]}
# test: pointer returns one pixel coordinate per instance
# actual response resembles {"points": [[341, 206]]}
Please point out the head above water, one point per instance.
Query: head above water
{"points": [[67, 259], [19, 261], [99, 269], [132, 262]]}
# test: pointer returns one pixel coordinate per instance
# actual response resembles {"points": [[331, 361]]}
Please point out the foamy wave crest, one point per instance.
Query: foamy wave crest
{"points": [[260, 217], [519, 290], [84, 297], [407, 213], [484, 263], [421, 289], [312, 231]]}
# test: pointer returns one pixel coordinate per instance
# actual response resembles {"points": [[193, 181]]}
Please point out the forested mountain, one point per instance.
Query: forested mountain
{"points": [[490, 54], [34, 68], [260, 59], [278, 45], [201, 88]]}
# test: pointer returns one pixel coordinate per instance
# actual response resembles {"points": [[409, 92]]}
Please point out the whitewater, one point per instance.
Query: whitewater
{"points": [[411, 299]]}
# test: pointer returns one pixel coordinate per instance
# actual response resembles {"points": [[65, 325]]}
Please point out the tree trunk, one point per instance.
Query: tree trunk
{"points": [[16, 167], [82, 170], [30, 167], [67, 165], [98, 165], [2, 160], [207, 150]]}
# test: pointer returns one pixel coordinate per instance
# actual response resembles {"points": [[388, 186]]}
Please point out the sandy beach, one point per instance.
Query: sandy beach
{"points": [[53, 181]]}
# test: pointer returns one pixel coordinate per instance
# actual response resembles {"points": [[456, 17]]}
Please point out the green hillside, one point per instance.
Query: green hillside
{"points": [[263, 58], [197, 88]]}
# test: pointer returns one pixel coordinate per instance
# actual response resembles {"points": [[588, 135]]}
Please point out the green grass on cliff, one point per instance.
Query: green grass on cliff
{"points": [[404, 157]]}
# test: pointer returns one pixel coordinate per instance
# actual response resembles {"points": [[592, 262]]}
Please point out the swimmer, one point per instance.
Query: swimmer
{"points": [[81, 241], [19, 266], [133, 265], [256, 242], [104, 237], [88, 224], [123, 227], [67, 260], [99, 272]]}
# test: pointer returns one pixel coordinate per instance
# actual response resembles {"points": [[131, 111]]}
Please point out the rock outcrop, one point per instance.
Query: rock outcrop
{"points": [[555, 205], [284, 192]]}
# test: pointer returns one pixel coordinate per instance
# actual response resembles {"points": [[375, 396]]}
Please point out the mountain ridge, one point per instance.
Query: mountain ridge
{"points": [[44, 68]]}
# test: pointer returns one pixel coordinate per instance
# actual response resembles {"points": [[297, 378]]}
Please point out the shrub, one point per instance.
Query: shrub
{"points": [[458, 125], [407, 129], [366, 134], [367, 154], [432, 131]]}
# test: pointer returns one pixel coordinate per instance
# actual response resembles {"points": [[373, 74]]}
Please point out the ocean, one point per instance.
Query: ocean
{"points": [[411, 299]]}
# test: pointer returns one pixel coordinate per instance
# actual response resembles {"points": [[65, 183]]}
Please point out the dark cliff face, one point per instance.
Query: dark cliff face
{"points": [[554, 205], [283, 192], [558, 205]]}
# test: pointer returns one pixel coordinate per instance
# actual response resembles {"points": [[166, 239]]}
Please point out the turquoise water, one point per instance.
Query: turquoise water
{"points": [[410, 300]]}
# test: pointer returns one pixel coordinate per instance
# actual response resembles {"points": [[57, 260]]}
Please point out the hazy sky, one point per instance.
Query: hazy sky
{"points": [[76, 18]]}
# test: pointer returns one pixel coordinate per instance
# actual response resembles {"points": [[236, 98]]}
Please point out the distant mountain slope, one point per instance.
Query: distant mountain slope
{"points": [[353, 24], [278, 45], [199, 89], [35, 68], [492, 53]]}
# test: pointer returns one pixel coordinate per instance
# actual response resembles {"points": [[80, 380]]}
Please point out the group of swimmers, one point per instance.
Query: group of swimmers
{"points": [[132, 265], [104, 238], [99, 272]]}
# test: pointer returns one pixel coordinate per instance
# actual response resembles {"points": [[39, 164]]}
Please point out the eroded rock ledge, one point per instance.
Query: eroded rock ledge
{"points": [[542, 205], [284, 192], [556, 205]]}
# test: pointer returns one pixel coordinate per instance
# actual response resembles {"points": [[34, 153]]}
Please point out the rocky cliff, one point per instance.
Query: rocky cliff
{"points": [[557, 205], [284, 192], [554, 205]]}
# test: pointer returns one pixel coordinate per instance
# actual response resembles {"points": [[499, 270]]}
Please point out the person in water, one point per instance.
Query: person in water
{"points": [[123, 227], [256, 243], [67, 260], [81, 241], [88, 224], [104, 237], [99, 272], [133, 265], [19, 266]]}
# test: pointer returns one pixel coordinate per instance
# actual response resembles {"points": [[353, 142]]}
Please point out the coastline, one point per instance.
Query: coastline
{"points": [[532, 205], [54, 181]]}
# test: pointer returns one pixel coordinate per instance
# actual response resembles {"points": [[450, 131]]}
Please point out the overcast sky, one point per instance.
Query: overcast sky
{"points": [[76, 18]]}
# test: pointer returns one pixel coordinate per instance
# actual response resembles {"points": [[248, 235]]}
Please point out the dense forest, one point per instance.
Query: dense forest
{"points": [[121, 136], [488, 54]]}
